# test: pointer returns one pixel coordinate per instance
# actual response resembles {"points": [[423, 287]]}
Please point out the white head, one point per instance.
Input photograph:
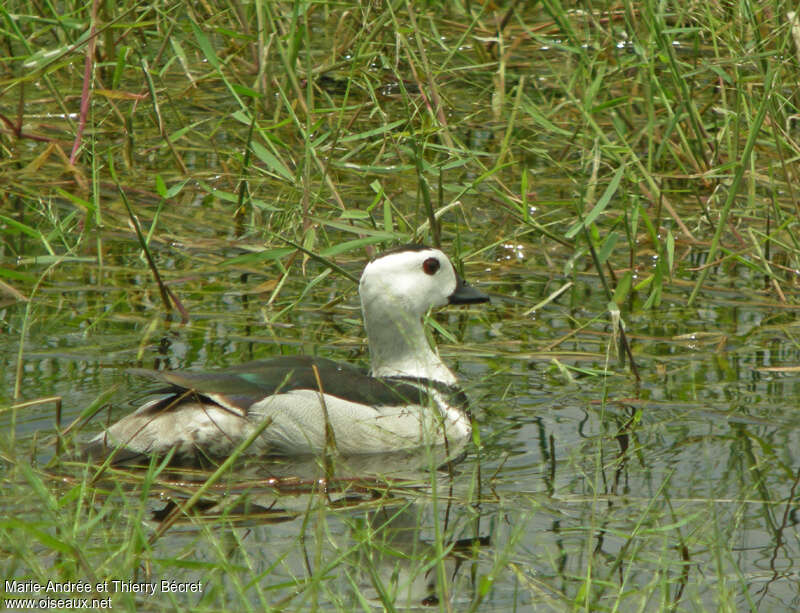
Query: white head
{"points": [[396, 290]]}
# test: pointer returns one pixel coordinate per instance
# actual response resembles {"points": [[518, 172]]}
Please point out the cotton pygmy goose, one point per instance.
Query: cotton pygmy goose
{"points": [[409, 398]]}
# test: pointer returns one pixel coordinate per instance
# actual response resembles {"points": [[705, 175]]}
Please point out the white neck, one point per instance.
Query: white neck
{"points": [[398, 346]]}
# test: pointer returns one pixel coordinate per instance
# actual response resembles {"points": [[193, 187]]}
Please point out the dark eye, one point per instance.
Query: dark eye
{"points": [[430, 266]]}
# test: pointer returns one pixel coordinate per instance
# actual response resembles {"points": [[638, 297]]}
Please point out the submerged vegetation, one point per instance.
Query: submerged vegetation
{"points": [[189, 185]]}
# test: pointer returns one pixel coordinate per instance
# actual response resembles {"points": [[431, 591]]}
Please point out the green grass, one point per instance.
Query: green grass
{"points": [[209, 195]]}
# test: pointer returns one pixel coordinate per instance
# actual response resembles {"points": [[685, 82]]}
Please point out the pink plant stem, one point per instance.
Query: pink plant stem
{"points": [[87, 80]]}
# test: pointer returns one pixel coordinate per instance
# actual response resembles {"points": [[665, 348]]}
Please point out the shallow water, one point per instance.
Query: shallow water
{"points": [[576, 472]]}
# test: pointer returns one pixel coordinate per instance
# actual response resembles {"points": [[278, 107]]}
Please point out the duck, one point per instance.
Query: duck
{"points": [[315, 405]]}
